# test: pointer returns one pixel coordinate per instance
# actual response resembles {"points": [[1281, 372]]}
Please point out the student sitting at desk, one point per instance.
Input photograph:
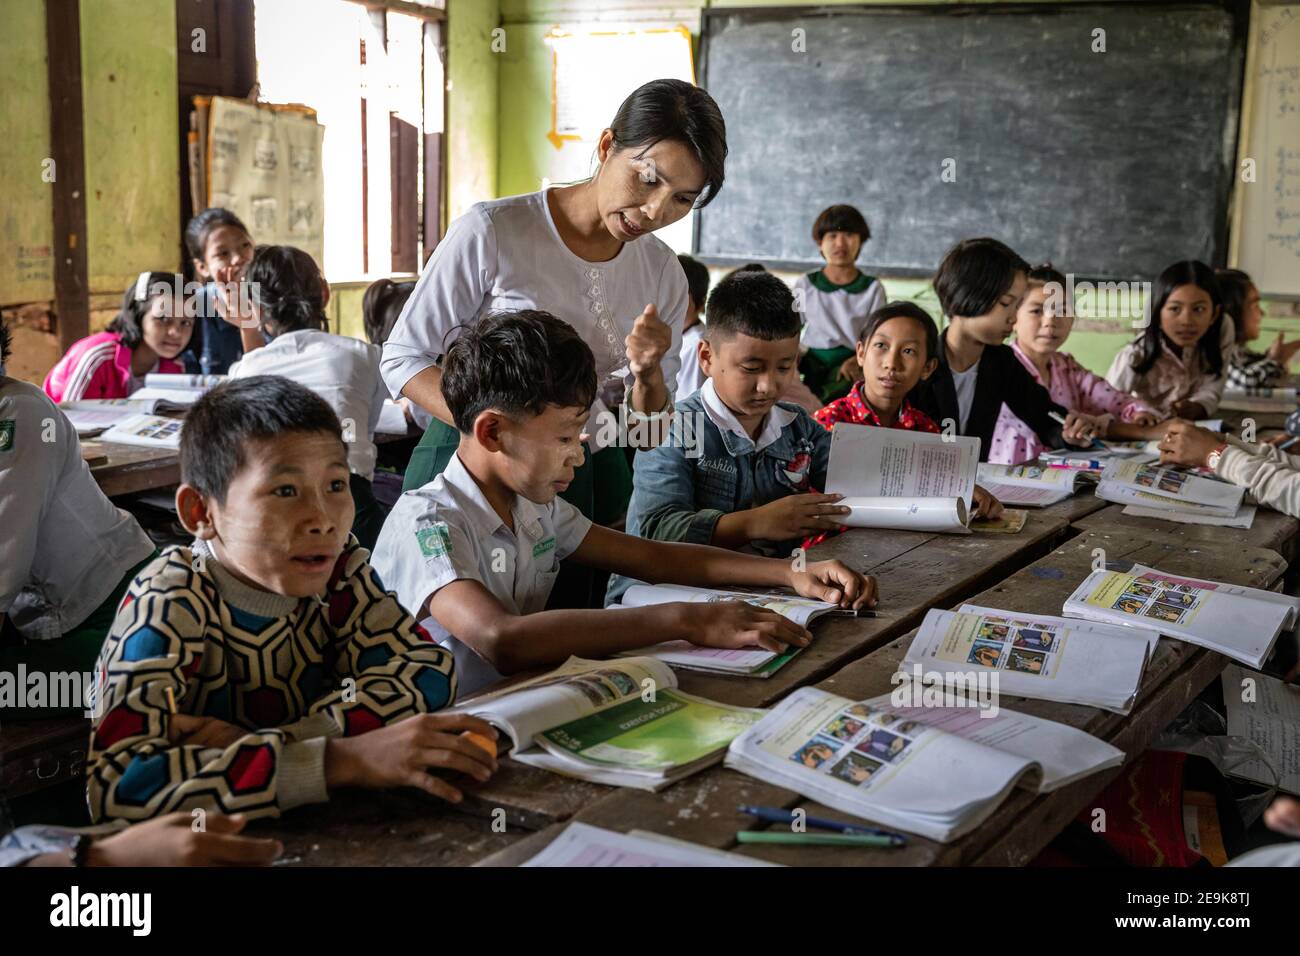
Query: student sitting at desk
{"points": [[67, 553], [480, 546], [148, 335], [220, 249], [266, 665]]}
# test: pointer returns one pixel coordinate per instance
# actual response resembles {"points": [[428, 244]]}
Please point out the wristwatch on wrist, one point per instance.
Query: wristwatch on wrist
{"points": [[1212, 459], [79, 849]]}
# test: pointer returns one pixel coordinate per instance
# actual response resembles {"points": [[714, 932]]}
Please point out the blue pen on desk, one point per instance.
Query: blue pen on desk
{"points": [[1061, 421], [777, 815]]}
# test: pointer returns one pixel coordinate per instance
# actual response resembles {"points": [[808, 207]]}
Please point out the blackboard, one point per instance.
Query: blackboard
{"points": [[1111, 164]]}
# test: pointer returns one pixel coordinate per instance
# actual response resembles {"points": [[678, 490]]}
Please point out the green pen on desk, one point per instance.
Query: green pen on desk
{"points": [[814, 839]]}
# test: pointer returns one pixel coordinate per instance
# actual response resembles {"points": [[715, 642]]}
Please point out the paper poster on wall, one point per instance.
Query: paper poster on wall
{"points": [[264, 164]]}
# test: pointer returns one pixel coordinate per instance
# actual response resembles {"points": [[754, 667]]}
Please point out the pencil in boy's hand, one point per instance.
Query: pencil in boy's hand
{"points": [[171, 700]]}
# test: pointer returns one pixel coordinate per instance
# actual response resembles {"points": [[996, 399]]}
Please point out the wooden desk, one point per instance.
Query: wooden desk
{"points": [[1270, 529], [703, 807], [132, 468], [35, 754]]}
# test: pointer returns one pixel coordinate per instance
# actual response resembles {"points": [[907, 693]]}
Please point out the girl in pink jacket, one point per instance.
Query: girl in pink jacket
{"points": [[1042, 326], [146, 336]]}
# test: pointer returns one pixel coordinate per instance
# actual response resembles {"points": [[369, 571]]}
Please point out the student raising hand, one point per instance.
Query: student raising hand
{"points": [[404, 754]]}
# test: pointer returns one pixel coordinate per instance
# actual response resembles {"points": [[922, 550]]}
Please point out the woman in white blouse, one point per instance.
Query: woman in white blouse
{"points": [[582, 252]]}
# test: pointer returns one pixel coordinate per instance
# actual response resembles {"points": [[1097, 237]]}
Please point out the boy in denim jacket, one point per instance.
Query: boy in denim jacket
{"points": [[741, 469]]}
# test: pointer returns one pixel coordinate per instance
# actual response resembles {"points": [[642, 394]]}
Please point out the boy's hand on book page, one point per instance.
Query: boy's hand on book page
{"points": [[404, 753], [1187, 444], [1283, 815], [171, 840], [1080, 429], [795, 516], [835, 583], [190, 731], [732, 624], [986, 506]]}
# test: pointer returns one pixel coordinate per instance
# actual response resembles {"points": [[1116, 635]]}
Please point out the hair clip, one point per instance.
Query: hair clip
{"points": [[142, 287]]}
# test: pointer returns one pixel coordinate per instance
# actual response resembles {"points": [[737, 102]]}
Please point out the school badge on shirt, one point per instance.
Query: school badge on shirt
{"points": [[7, 429], [795, 472], [434, 541]]}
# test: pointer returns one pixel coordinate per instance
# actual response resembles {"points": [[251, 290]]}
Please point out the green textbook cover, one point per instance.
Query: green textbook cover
{"points": [[674, 730]]}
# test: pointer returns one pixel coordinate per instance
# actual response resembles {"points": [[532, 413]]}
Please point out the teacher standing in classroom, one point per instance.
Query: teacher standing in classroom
{"points": [[582, 252]]}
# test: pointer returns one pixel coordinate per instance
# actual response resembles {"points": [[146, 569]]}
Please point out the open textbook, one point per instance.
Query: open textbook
{"points": [[582, 844], [1239, 622], [893, 478], [1030, 486], [162, 393], [748, 661], [152, 431], [1095, 459], [1034, 655], [1271, 719], [935, 771], [1168, 489], [621, 722]]}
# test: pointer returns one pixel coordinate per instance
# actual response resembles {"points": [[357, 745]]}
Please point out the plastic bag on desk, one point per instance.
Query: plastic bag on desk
{"points": [[1202, 731]]}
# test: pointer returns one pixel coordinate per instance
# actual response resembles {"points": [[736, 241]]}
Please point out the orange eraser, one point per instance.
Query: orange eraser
{"points": [[483, 743]]}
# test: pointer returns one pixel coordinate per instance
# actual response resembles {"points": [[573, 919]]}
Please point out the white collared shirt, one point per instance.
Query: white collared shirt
{"points": [[64, 546], [342, 370], [722, 416], [691, 377], [447, 531]]}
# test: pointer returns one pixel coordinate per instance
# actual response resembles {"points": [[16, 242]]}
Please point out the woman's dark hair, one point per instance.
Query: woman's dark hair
{"points": [[904, 310], [200, 227], [220, 425], [1188, 272], [381, 305], [516, 362], [286, 285], [129, 321], [974, 275], [840, 218], [680, 112], [1234, 287]]}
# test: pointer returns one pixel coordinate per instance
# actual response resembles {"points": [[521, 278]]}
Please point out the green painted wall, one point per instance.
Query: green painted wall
{"points": [[26, 225], [525, 109], [128, 64], [472, 120]]}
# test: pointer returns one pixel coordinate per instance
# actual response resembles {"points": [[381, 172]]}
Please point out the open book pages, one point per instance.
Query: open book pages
{"points": [[753, 661], [1031, 655], [91, 416], [938, 771], [1244, 518], [1239, 622], [893, 478], [153, 431], [582, 844], [1095, 459], [1030, 486], [1173, 489], [1269, 717], [161, 393]]}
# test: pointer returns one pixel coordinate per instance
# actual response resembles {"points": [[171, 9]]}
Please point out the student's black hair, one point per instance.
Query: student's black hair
{"points": [[840, 218], [904, 310], [517, 363], [974, 275], [747, 267], [1187, 272], [1044, 273], [286, 285], [697, 279], [757, 304], [680, 112], [381, 306], [6, 340], [1234, 287], [129, 321], [200, 227], [221, 424]]}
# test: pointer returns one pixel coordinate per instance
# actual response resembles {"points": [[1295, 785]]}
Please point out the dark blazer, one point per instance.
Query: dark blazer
{"points": [[1001, 379]]}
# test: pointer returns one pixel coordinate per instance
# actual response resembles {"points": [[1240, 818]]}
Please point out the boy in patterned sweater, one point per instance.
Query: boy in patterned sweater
{"points": [[266, 665]]}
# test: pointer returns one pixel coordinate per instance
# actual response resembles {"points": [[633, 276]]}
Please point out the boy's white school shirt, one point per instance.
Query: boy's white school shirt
{"points": [[342, 370], [691, 377], [507, 255], [447, 531], [834, 319], [64, 546]]}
